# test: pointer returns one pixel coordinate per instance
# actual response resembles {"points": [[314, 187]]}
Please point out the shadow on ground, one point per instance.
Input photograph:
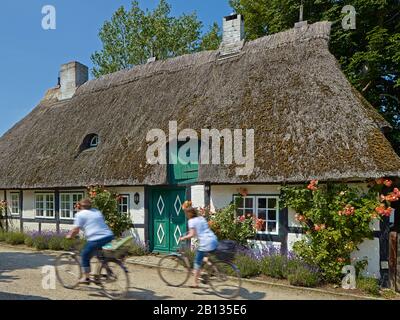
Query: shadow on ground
{"points": [[12, 296], [133, 294], [13, 261], [244, 294]]}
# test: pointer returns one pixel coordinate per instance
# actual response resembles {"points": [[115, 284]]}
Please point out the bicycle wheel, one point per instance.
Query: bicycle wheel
{"points": [[114, 279], [173, 270], [224, 279], [68, 270]]}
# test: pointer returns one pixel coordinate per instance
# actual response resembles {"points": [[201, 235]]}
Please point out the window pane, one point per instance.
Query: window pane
{"points": [[262, 203], [240, 212], [262, 214], [271, 226], [249, 202], [249, 211], [272, 203], [272, 215]]}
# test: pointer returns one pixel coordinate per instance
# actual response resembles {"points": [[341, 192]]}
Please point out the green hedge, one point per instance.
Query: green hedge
{"points": [[14, 238]]}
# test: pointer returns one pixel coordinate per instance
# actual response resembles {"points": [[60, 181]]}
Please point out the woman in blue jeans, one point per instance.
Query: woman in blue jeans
{"points": [[97, 233], [208, 242]]}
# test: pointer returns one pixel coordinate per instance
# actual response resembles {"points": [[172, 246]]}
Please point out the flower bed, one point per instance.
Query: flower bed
{"points": [[56, 241]]}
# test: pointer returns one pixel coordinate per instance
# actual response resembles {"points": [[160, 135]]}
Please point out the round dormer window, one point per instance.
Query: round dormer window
{"points": [[91, 141], [94, 141]]}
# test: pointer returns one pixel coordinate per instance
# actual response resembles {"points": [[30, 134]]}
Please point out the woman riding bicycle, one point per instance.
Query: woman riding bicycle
{"points": [[208, 242], [97, 233]]}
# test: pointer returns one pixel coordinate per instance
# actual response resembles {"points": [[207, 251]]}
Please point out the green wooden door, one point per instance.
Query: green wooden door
{"points": [[168, 220], [177, 218]]}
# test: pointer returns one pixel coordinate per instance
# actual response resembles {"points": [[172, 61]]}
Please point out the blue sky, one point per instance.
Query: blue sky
{"points": [[30, 57]]}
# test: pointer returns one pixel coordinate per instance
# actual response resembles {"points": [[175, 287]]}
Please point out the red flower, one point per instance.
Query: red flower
{"points": [[380, 181], [317, 227], [313, 185], [349, 210], [260, 224], [242, 218], [391, 197], [388, 212], [341, 260], [380, 209], [243, 192], [300, 217], [388, 183]]}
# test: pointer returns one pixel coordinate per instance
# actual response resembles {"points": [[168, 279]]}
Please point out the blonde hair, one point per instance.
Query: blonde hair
{"points": [[191, 212]]}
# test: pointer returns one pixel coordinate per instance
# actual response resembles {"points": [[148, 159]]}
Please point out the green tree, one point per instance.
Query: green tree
{"points": [[369, 55], [132, 36], [212, 39]]}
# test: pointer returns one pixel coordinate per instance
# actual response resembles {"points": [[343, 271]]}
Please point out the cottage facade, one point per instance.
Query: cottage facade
{"points": [[309, 123]]}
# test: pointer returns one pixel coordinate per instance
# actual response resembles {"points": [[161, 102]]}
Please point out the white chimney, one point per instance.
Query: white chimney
{"points": [[233, 34], [72, 75]]}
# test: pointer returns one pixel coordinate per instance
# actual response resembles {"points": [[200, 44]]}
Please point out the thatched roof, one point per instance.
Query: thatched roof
{"points": [[309, 121]]}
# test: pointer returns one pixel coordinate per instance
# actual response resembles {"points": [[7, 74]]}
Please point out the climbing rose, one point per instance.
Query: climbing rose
{"points": [[380, 181], [313, 185], [388, 183]]}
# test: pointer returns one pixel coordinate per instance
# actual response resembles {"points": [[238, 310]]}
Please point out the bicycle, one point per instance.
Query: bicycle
{"points": [[111, 274], [218, 272]]}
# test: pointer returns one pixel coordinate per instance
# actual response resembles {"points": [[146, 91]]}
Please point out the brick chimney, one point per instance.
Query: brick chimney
{"points": [[72, 75], [233, 34]]}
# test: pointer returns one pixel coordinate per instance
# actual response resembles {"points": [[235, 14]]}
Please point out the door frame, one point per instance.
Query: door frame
{"points": [[149, 234]]}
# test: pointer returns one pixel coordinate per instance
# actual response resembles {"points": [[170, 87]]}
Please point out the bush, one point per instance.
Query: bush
{"points": [[248, 266], [29, 241], [368, 285], [2, 236], [107, 202], [55, 243], [137, 249], [228, 226], [303, 276], [15, 238], [336, 219], [41, 243], [274, 266]]}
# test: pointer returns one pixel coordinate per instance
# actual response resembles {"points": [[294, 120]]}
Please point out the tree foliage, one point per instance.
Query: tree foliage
{"points": [[133, 36], [369, 55]]}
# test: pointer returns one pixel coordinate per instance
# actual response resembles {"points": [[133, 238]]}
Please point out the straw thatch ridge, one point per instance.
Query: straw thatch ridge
{"points": [[308, 120]]}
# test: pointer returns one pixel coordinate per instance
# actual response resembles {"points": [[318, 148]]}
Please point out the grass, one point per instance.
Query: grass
{"points": [[368, 285]]}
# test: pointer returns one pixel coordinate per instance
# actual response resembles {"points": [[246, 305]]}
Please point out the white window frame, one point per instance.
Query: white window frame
{"points": [[45, 204], [71, 211], [12, 202], [124, 196], [94, 142], [255, 211]]}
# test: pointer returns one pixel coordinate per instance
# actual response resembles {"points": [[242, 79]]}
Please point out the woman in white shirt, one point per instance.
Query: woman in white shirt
{"points": [[208, 242]]}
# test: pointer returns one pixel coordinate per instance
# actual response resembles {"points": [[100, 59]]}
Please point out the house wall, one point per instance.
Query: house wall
{"points": [[198, 196], [222, 196], [137, 211], [31, 223]]}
